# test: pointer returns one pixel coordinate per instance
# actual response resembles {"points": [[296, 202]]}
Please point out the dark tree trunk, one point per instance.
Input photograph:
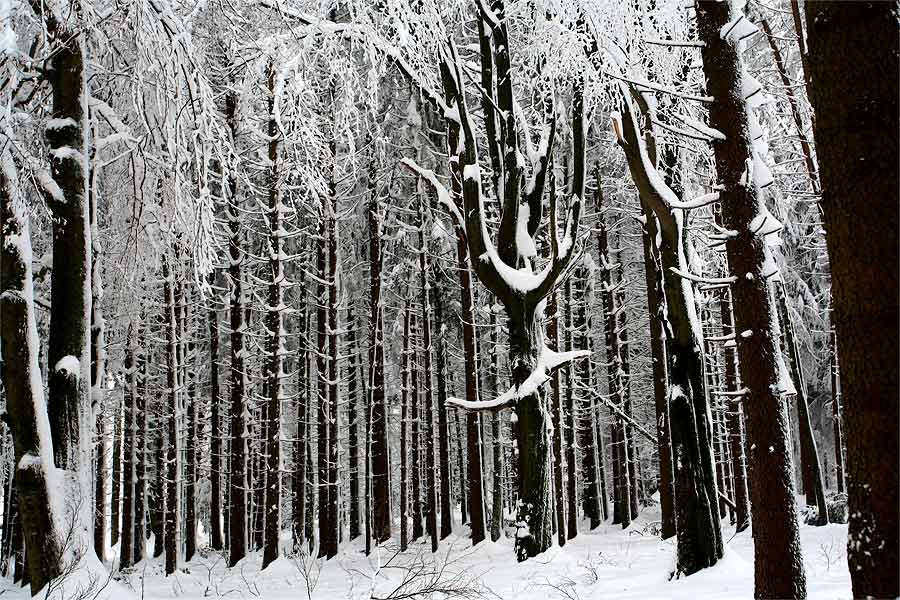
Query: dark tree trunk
{"points": [[353, 367], [129, 432], [569, 427], [99, 468], [170, 321], [443, 429], [430, 481], [116, 476], [237, 485], [215, 434], [274, 325], [587, 433], [404, 428], [625, 385], [381, 477], [25, 404], [301, 444], [460, 459], [853, 73], [190, 466], [331, 540], [474, 475], [416, 441], [778, 563], [559, 505], [496, 437], [658, 356]]}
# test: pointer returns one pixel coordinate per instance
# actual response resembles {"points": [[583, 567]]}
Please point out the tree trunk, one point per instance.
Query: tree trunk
{"points": [[237, 505], [301, 447], [443, 429], [381, 476], [853, 66], [778, 563], [658, 356], [813, 485], [170, 321], [569, 427], [331, 540], [836, 410], [474, 475], [353, 367], [404, 428], [496, 438], [416, 441], [587, 433], [275, 349], [129, 432], [25, 404], [430, 481], [559, 504], [193, 434], [216, 429]]}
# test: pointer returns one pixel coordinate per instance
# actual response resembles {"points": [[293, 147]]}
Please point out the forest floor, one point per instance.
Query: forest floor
{"points": [[606, 563]]}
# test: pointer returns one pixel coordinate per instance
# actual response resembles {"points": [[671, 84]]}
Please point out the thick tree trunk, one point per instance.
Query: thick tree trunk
{"points": [[35, 475], [534, 525], [778, 563], [853, 72]]}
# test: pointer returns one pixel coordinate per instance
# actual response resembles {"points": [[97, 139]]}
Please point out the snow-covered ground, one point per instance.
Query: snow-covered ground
{"points": [[606, 563]]}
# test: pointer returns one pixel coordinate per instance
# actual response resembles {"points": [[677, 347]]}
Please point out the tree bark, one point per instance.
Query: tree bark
{"points": [[443, 428], [778, 563], [170, 321], [853, 72], [559, 504], [215, 434]]}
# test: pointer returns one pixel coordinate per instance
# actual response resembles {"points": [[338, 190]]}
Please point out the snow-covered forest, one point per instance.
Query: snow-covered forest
{"points": [[431, 299]]}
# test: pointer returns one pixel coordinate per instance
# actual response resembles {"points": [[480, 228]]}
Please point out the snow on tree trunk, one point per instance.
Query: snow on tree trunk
{"points": [[38, 482], [779, 570]]}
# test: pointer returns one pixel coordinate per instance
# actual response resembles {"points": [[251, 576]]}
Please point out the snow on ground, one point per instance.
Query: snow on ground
{"points": [[607, 563]]}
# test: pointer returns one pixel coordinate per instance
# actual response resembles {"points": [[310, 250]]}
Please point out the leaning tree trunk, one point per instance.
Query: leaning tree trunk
{"points": [[853, 64], [813, 485], [778, 562], [39, 508]]}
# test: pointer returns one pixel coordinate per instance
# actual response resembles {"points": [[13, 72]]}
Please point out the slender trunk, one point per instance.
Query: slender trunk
{"points": [[353, 421], [237, 485], [416, 442], [587, 433], [496, 436], [215, 433], [813, 485], [835, 371], [430, 482], [129, 431], [559, 505], [474, 475], [331, 541], [460, 461], [381, 477], [778, 562], [193, 434], [115, 508], [569, 427], [404, 427], [274, 326], [142, 442], [170, 321], [443, 429], [301, 444]]}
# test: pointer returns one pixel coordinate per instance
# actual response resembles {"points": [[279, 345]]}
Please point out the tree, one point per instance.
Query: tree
{"points": [[853, 73], [741, 172]]}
